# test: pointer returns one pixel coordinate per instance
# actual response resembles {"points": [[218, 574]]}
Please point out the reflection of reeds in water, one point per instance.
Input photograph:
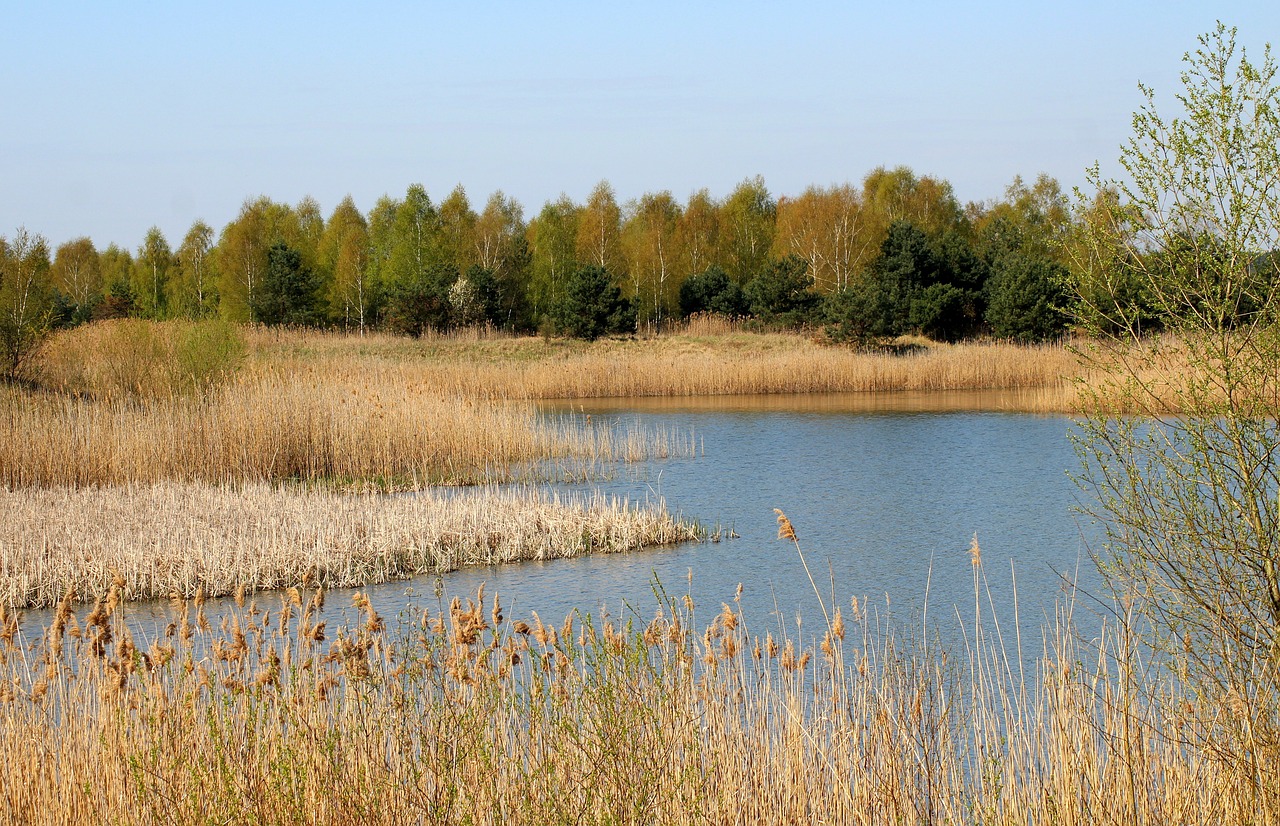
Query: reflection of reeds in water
{"points": [[460, 715], [182, 538]]}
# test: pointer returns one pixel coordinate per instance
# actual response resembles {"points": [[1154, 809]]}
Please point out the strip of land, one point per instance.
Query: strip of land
{"points": [[177, 540]]}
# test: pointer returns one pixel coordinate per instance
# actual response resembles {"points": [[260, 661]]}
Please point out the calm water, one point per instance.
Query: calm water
{"points": [[886, 492]]}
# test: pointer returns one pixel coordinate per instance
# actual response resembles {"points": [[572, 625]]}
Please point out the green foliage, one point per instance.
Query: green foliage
{"points": [[746, 229], [344, 258], [117, 296], [289, 292], [1025, 298], [553, 245], [193, 286], [593, 306], [487, 292], [849, 316], [205, 354], [712, 291], [783, 292], [1191, 504], [420, 302], [133, 358], [26, 301], [76, 274], [150, 277], [933, 286]]}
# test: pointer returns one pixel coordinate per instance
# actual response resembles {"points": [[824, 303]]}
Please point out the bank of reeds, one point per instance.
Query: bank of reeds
{"points": [[681, 363], [182, 539], [462, 715], [133, 402], [355, 429]]}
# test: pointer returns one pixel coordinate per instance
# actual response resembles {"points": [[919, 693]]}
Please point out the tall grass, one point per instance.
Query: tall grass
{"points": [[357, 428], [462, 715], [133, 402], [687, 362], [135, 358], [182, 539]]}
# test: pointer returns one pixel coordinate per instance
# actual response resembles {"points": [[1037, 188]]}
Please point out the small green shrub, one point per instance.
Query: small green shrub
{"points": [[131, 358]]}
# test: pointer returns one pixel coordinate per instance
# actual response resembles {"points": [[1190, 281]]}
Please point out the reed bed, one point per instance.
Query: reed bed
{"points": [[679, 364], [174, 539], [132, 402], [459, 714], [362, 428]]}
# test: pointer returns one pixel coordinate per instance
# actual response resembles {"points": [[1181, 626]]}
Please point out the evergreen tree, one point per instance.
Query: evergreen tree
{"points": [[421, 302], [782, 292], [712, 291], [593, 305], [1026, 297], [289, 292]]}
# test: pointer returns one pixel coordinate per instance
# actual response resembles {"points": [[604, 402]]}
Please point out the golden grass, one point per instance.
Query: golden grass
{"points": [[683, 363], [464, 716], [363, 427], [183, 539]]}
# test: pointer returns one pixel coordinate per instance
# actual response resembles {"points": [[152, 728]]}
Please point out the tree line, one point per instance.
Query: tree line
{"points": [[897, 254]]}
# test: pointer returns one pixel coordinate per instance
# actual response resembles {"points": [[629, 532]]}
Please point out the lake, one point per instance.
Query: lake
{"points": [[886, 492]]}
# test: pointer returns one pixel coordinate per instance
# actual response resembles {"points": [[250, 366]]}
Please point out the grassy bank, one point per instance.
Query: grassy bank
{"points": [[704, 358], [462, 715], [182, 539]]}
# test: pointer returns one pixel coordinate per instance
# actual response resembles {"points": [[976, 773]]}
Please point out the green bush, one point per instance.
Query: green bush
{"points": [[1025, 298]]}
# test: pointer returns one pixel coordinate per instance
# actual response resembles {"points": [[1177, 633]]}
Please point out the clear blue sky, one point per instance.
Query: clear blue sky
{"points": [[118, 116]]}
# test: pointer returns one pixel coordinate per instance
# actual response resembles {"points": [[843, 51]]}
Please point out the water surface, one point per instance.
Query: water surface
{"points": [[886, 492]]}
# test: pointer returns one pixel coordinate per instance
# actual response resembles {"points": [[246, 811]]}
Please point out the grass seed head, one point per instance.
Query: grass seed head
{"points": [[785, 529]]}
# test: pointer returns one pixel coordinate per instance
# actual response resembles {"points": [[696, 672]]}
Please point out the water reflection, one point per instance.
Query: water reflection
{"points": [[906, 401]]}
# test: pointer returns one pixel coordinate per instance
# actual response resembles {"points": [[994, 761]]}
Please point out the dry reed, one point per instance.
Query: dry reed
{"points": [[677, 364], [462, 716], [182, 539], [353, 429], [120, 406]]}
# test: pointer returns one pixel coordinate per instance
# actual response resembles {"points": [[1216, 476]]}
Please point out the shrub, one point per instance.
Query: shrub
{"points": [[711, 291], [1025, 298], [124, 358], [783, 292]]}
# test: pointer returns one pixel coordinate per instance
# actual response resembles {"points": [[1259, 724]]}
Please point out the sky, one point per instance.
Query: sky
{"points": [[116, 117]]}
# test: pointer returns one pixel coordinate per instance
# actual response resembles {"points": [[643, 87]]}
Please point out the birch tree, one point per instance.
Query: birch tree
{"points": [[26, 300], [1190, 499]]}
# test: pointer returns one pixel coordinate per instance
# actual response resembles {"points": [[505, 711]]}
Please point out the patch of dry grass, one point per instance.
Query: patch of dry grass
{"points": [[182, 539], [689, 362], [358, 428], [131, 402]]}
